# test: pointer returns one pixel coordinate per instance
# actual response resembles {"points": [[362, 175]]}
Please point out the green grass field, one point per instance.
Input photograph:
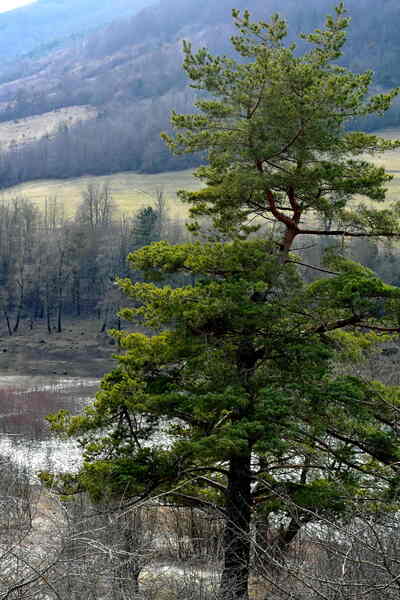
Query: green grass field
{"points": [[130, 191]]}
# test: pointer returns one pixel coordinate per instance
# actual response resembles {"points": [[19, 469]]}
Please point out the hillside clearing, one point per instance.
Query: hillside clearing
{"points": [[130, 191], [31, 129]]}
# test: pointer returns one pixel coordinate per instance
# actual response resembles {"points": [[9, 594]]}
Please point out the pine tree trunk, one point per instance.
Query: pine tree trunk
{"points": [[235, 575]]}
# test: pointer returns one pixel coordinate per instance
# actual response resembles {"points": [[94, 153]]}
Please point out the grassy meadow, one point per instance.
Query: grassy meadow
{"points": [[130, 191], [391, 161]]}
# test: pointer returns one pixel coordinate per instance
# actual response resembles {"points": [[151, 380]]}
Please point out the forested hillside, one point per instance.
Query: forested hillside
{"points": [[130, 71], [42, 25]]}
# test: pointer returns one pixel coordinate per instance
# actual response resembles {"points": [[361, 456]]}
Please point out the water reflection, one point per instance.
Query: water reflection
{"points": [[41, 455], [24, 434]]}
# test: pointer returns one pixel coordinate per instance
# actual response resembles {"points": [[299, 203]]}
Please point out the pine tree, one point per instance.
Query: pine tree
{"points": [[237, 400]]}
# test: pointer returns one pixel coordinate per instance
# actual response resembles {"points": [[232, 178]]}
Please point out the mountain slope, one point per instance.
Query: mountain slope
{"points": [[24, 29], [130, 71]]}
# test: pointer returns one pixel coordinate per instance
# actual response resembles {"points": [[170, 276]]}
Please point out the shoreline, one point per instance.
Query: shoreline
{"points": [[78, 351]]}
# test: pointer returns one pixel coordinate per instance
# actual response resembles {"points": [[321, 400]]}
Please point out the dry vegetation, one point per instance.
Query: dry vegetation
{"points": [[130, 191], [30, 129], [391, 161]]}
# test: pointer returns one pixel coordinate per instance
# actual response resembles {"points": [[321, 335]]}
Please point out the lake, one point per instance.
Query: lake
{"points": [[24, 434]]}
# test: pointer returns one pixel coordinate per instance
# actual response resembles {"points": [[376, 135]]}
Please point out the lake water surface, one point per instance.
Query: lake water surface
{"points": [[24, 434]]}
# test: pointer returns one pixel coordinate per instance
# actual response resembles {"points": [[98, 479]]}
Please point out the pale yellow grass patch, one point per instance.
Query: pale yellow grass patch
{"points": [[391, 161], [130, 191], [24, 131]]}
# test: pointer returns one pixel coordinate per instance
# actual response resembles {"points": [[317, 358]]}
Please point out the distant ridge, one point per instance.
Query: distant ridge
{"points": [[25, 28], [129, 74]]}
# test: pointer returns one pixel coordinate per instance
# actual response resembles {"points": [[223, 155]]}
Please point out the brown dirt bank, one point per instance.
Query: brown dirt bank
{"points": [[79, 351]]}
